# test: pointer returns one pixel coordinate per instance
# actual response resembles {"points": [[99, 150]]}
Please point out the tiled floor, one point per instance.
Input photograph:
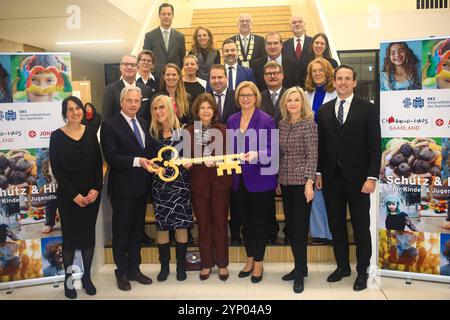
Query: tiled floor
{"points": [[271, 287]]}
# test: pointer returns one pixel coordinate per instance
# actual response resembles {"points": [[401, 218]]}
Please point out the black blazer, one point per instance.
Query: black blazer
{"points": [[229, 106], [268, 107], [289, 51], [120, 147], [259, 50], [177, 48], [355, 148], [290, 70], [111, 100]]}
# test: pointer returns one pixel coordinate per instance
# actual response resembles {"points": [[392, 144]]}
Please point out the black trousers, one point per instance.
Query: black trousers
{"points": [[128, 221], [338, 194], [235, 221], [297, 213], [254, 210], [273, 226]]}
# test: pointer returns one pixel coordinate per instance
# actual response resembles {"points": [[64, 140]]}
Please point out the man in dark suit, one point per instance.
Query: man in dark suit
{"points": [[111, 96], [250, 46], [349, 164], [273, 77], [166, 43], [270, 104], [126, 145], [298, 46], [274, 44], [223, 95]]}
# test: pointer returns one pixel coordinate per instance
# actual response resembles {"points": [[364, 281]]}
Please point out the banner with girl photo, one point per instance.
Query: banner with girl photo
{"points": [[32, 86], [414, 217]]}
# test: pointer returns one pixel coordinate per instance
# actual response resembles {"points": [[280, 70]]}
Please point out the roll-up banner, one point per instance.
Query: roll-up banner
{"points": [[32, 86], [414, 217]]}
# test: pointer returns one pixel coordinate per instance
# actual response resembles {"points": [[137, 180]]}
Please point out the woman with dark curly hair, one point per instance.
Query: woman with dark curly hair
{"points": [[203, 48], [400, 68]]}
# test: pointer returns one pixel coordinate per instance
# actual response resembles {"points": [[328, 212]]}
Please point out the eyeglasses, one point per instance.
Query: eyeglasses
{"points": [[272, 74], [248, 96], [145, 61], [128, 64]]}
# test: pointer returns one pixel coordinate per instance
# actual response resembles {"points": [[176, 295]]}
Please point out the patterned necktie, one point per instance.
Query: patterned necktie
{"points": [[244, 43], [166, 39], [298, 49], [230, 78], [137, 133], [274, 98], [219, 103], [340, 115]]}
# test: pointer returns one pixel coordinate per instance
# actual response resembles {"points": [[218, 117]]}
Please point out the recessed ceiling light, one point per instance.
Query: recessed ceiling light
{"points": [[89, 42]]}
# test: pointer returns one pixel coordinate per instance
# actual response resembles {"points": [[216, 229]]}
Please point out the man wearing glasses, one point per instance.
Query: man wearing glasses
{"points": [[274, 45], [111, 95]]}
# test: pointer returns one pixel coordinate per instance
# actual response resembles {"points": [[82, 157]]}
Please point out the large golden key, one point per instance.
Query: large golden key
{"points": [[227, 163]]}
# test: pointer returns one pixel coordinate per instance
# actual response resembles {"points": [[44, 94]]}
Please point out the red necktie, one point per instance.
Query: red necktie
{"points": [[298, 49]]}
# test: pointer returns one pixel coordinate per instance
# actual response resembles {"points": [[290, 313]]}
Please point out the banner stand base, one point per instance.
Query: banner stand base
{"points": [[413, 276]]}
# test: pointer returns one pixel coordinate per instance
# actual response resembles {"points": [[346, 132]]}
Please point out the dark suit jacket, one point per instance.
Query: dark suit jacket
{"points": [[268, 107], [259, 49], [177, 48], [229, 106], [355, 148], [289, 50], [203, 179], [111, 100], [242, 74], [120, 147], [290, 70], [152, 84]]}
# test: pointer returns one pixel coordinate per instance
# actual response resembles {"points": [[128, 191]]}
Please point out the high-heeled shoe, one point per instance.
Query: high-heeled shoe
{"points": [[224, 277], [256, 279], [88, 286], [243, 274], [204, 277], [70, 293]]}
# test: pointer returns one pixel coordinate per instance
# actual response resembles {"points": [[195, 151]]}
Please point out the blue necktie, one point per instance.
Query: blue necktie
{"points": [[340, 115], [230, 78], [137, 133]]}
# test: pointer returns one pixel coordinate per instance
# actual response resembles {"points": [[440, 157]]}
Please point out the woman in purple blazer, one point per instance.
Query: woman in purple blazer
{"points": [[252, 190]]}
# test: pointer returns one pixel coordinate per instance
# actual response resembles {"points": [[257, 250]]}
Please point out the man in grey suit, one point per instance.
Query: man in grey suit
{"points": [[167, 44]]}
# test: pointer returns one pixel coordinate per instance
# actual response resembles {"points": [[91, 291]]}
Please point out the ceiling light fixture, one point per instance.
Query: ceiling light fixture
{"points": [[62, 43]]}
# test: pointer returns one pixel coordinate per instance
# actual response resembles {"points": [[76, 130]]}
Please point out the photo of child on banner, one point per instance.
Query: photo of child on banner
{"points": [[445, 255], [52, 259], [40, 78], [409, 251], [5, 79], [19, 259], [436, 67]]}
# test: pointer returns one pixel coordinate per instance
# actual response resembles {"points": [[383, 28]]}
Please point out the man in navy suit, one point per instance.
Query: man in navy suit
{"points": [[166, 43], [235, 72], [126, 145], [224, 96], [111, 96], [298, 47]]}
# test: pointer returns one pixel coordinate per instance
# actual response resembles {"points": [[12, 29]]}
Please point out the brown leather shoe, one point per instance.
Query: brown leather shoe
{"points": [[140, 278], [204, 277], [122, 282], [224, 277]]}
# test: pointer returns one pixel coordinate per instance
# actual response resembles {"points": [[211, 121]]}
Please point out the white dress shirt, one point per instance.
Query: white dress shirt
{"points": [[222, 98], [302, 42], [348, 102], [234, 72]]}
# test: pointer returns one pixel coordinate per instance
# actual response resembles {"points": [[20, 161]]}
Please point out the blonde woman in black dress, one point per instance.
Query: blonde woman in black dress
{"points": [[77, 166]]}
